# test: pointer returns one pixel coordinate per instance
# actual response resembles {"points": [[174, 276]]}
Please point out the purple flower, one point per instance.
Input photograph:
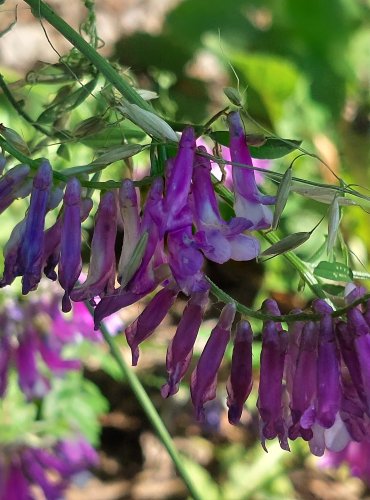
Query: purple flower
{"points": [[150, 319], [70, 263], [361, 331], [304, 382], [178, 179], [31, 249], [101, 275], [239, 384], [328, 375], [270, 391], [180, 350], [14, 184], [249, 202], [218, 239], [204, 377], [186, 261]]}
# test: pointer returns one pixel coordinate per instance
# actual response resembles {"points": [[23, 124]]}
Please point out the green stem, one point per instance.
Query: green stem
{"points": [[42, 10], [150, 411]]}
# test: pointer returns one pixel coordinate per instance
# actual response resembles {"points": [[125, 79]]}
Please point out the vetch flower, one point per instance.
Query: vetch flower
{"points": [[204, 377], [101, 275], [270, 391], [249, 202], [70, 263], [328, 375], [150, 319], [239, 384], [218, 239], [180, 350]]}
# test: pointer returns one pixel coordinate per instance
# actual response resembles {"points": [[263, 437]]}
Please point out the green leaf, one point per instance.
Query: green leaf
{"points": [[334, 289], [286, 244], [335, 271], [112, 136], [273, 147]]}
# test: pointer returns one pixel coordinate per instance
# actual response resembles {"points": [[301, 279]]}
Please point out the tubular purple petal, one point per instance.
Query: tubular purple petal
{"points": [[361, 331], [179, 178], [305, 380], [31, 249], [274, 346], [347, 347], [239, 384], [328, 374], [70, 264], [150, 319], [101, 274], [204, 377], [180, 350], [249, 202]]}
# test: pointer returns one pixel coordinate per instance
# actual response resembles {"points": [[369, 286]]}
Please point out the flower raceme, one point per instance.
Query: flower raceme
{"points": [[314, 379]]}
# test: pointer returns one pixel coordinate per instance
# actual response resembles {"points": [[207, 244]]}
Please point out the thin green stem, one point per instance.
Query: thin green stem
{"points": [[105, 68], [150, 411]]}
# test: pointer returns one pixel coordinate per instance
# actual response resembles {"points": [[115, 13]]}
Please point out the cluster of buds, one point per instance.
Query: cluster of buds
{"points": [[25, 470]]}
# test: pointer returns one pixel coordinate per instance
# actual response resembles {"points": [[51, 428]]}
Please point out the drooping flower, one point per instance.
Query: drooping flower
{"points": [[270, 391], [101, 274], [150, 318], [304, 382], [239, 384], [180, 350], [70, 263], [204, 377]]}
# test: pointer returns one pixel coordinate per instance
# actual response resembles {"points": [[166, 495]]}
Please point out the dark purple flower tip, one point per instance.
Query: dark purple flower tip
{"points": [[180, 350], [239, 384], [204, 377], [150, 319], [31, 249], [101, 274], [321, 307], [13, 179]]}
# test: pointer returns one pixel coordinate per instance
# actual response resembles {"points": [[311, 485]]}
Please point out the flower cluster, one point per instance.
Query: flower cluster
{"points": [[50, 469], [314, 380], [164, 245]]}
